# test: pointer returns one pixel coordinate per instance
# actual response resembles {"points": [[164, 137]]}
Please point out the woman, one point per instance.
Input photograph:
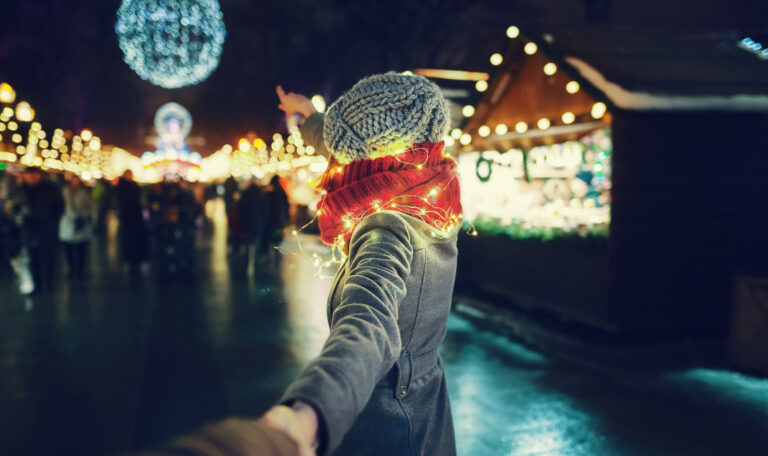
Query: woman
{"points": [[392, 203], [76, 225]]}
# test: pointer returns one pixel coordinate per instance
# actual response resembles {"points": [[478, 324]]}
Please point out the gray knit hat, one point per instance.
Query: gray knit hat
{"points": [[384, 113]]}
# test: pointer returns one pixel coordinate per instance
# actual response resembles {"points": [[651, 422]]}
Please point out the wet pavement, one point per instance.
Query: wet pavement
{"points": [[115, 364]]}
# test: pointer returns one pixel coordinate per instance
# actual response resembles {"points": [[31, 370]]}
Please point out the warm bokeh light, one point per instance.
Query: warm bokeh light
{"points": [[468, 111], [243, 145], [530, 48], [572, 87], [501, 129], [481, 86], [7, 94], [598, 110], [513, 31], [86, 134], [496, 59], [521, 127], [24, 112], [568, 117], [465, 139], [543, 123], [550, 69], [484, 131], [318, 102], [456, 133]]}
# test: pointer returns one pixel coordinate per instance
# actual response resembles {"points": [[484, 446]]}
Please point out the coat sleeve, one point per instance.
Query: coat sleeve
{"points": [[312, 133], [364, 342]]}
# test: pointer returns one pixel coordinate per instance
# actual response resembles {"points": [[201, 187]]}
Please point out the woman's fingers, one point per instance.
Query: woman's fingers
{"points": [[280, 92]]}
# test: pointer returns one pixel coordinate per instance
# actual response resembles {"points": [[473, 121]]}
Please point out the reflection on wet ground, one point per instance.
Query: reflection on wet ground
{"points": [[118, 364]]}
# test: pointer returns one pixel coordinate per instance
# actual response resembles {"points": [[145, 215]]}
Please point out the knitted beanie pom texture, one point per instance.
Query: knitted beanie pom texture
{"points": [[383, 114]]}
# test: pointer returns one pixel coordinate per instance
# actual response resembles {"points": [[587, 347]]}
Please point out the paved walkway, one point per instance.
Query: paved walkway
{"points": [[116, 364]]}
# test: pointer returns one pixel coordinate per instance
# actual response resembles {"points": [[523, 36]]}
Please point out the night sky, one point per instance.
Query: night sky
{"points": [[63, 56]]}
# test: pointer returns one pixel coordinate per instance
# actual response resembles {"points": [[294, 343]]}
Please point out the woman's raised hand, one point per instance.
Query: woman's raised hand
{"points": [[295, 103]]}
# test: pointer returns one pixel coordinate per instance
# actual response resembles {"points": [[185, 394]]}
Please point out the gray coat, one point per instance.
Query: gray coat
{"points": [[378, 384]]}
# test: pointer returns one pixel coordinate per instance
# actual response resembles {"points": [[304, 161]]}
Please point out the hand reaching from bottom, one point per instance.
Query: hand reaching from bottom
{"points": [[298, 422]]}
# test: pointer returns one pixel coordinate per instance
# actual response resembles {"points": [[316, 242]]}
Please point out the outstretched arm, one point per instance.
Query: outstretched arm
{"points": [[312, 128], [365, 338]]}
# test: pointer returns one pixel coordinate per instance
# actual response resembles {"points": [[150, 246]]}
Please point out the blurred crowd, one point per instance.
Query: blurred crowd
{"points": [[45, 217]]}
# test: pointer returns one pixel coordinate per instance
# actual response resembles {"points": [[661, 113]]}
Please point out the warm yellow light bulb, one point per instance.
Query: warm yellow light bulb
{"points": [[243, 145], [572, 87], [465, 139], [550, 69], [543, 123], [449, 141], [24, 112], [598, 110], [484, 131], [496, 59], [513, 32], [318, 102], [456, 133], [521, 127], [86, 135], [7, 94], [501, 129], [481, 86], [468, 111], [530, 48], [568, 117]]}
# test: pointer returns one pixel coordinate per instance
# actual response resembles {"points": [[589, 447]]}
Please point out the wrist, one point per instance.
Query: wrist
{"points": [[308, 418]]}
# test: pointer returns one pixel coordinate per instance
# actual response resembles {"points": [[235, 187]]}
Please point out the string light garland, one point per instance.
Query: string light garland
{"points": [[171, 43]]}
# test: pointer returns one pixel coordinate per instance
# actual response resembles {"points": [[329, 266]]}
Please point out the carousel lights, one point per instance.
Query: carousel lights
{"points": [[465, 139], [572, 87], [543, 123], [7, 94], [24, 112], [468, 111], [598, 110], [484, 131], [496, 59], [513, 32], [481, 85], [171, 43], [521, 127], [501, 129], [568, 118], [550, 69], [530, 48]]}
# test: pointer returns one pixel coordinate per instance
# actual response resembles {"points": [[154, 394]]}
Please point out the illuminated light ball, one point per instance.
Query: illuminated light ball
{"points": [[598, 110], [456, 133], [568, 117], [2, 126], [7, 112], [501, 129], [43, 144], [543, 123], [449, 141], [171, 43], [24, 112], [513, 32], [40, 134], [481, 86], [226, 148], [465, 139], [484, 131], [7, 94], [243, 145], [86, 135], [550, 69], [86, 175], [496, 59], [318, 102], [572, 87], [35, 126], [530, 48], [13, 126], [95, 144], [172, 116], [468, 111], [309, 150], [259, 143], [521, 127], [21, 150]]}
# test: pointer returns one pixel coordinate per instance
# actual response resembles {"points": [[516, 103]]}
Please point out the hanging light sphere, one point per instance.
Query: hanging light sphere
{"points": [[171, 43]]}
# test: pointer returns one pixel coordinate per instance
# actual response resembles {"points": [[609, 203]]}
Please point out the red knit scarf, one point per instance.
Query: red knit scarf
{"points": [[420, 182]]}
